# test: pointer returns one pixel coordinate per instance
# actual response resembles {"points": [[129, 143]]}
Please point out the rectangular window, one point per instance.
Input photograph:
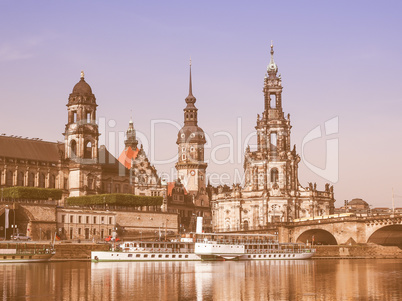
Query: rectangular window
{"points": [[71, 218], [87, 219], [63, 219], [94, 219], [79, 231], [80, 219], [273, 142], [110, 220]]}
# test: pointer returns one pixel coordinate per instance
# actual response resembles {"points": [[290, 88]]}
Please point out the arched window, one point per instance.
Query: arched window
{"points": [[90, 182], [73, 146], [42, 180], [88, 150], [52, 181], [31, 179], [245, 225], [9, 178], [20, 179], [274, 175]]}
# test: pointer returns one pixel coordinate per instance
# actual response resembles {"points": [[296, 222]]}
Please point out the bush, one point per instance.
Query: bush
{"points": [[32, 193], [116, 199]]}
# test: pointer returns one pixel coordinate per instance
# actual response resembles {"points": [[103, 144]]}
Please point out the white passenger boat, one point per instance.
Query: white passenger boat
{"points": [[207, 246]]}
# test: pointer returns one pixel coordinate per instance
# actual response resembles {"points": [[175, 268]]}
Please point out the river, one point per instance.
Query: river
{"points": [[374, 279]]}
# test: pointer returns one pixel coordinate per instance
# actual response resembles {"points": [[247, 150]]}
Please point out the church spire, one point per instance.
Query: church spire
{"points": [[190, 111], [190, 99], [272, 67]]}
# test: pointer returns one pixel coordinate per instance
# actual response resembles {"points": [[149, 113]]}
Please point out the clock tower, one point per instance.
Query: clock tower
{"points": [[190, 140]]}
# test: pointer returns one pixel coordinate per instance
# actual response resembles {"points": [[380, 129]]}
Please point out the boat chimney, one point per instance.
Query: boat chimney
{"points": [[199, 225]]}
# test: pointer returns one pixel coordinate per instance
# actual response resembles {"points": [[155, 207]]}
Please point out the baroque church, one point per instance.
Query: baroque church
{"points": [[271, 191]]}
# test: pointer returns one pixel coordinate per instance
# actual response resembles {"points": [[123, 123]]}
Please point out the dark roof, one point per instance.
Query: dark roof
{"points": [[357, 202], [30, 149], [82, 87]]}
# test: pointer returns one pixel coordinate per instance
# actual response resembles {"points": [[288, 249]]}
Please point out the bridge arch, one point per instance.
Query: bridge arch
{"points": [[320, 236], [389, 235], [18, 217]]}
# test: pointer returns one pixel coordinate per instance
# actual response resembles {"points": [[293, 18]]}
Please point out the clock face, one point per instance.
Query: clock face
{"points": [[192, 172]]}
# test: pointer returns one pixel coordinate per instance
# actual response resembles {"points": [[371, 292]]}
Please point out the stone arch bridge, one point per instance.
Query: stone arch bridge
{"points": [[36, 219], [383, 230]]}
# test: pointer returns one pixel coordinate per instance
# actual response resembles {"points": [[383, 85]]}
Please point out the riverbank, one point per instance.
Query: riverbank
{"points": [[82, 251]]}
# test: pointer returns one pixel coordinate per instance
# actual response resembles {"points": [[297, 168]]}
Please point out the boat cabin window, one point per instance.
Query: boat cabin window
{"points": [[138, 255], [130, 255]]}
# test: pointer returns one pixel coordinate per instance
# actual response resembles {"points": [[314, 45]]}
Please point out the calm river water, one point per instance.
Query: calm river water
{"points": [[245, 280]]}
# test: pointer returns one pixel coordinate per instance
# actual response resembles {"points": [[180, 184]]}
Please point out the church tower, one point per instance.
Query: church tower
{"points": [[81, 133], [81, 141], [131, 140], [273, 167], [190, 140]]}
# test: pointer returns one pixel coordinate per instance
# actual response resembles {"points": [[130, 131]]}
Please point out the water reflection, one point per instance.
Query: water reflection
{"points": [[247, 280]]}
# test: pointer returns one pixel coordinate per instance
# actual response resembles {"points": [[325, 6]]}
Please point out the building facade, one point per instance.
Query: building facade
{"points": [[271, 191]]}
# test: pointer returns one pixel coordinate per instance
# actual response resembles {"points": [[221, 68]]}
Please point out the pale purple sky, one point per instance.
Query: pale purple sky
{"points": [[337, 59]]}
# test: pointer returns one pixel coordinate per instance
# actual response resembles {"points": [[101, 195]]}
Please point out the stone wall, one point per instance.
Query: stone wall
{"points": [[130, 224], [358, 251]]}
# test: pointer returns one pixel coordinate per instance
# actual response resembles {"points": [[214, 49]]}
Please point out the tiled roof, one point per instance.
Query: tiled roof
{"points": [[30, 149], [127, 155]]}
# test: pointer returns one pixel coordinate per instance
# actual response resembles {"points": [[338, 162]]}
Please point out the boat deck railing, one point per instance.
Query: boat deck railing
{"points": [[156, 250], [276, 251], [238, 242]]}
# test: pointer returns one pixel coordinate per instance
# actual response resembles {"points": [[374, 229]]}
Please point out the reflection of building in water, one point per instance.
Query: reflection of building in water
{"points": [[229, 280], [271, 192]]}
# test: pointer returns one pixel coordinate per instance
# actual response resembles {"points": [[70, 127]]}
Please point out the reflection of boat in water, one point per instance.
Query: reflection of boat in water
{"points": [[16, 256], [207, 246]]}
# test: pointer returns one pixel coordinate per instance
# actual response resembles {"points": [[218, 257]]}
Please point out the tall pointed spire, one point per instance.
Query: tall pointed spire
{"points": [[190, 98]]}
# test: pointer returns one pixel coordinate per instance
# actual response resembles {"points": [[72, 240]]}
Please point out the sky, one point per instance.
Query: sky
{"points": [[340, 63]]}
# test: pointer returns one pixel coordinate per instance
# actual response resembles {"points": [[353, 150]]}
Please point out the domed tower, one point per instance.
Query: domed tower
{"points": [[190, 140], [81, 133]]}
